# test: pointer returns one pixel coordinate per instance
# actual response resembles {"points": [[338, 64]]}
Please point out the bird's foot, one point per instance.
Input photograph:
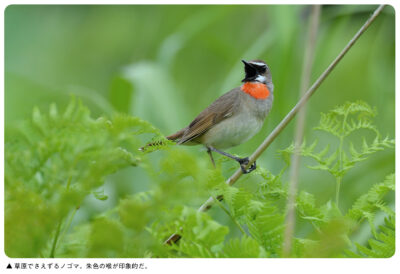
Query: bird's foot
{"points": [[244, 162]]}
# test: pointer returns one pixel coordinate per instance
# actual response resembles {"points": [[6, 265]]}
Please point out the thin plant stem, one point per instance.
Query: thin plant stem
{"points": [[339, 179], [68, 224], [299, 133], [58, 230], [292, 113], [53, 247], [338, 183]]}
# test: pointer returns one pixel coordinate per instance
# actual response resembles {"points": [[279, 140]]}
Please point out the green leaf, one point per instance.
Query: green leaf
{"points": [[134, 211], [367, 205], [100, 244], [381, 246], [267, 228], [245, 247], [57, 160]]}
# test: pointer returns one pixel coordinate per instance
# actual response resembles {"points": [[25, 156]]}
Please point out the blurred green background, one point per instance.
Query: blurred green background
{"points": [[165, 64]]}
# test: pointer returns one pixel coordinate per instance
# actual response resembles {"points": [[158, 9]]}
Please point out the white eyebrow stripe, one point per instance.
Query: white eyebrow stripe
{"points": [[258, 64]]}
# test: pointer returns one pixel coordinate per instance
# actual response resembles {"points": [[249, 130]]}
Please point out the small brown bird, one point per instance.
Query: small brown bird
{"points": [[234, 117]]}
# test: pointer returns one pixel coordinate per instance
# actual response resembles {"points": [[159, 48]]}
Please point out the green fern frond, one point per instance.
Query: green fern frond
{"points": [[359, 107], [134, 211], [271, 187], [59, 158], [338, 123], [330, 124], [190, 249], [366, 205], [341, 122], [267, 227], [201, 236], [381, 246], [237, 200], [308, 210], [244, 247], [366, 149]]}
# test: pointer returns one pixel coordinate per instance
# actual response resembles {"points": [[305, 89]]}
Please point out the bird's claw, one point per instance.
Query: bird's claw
{"points": [[244, 162]]}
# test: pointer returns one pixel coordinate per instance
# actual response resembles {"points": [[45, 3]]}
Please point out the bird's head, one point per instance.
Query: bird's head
{"points": [[257, 71]]}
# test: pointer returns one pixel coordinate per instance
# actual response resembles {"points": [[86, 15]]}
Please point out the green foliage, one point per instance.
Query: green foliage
{"points": [[71, 154], [332, 228], [329, 241], [100, 244], [263, 220], [54, 161], [381, 246], [245, 247], [267, 226], [368, 204], [200, 234], [341, 122]]}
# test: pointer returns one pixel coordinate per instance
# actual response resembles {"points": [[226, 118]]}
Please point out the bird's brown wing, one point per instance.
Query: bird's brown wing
{"points": [[219, 110]]}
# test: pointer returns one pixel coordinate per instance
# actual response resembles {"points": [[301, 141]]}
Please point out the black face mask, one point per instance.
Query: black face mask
{"points": [[252, 71]]}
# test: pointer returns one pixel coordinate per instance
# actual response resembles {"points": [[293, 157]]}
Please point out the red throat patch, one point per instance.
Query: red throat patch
{"points": [[257, 90]]}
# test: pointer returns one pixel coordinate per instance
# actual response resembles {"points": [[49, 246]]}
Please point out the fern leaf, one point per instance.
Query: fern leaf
{"points": [[245, 247], [381, 246], [59, 160], [267, 228], [368, 203]]}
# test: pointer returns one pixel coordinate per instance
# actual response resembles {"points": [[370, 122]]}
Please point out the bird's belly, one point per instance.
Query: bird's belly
{"points": [[232, 131]]}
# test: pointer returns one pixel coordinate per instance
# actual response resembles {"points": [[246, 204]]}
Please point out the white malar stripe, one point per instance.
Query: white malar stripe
{"points": [[261, 79]]}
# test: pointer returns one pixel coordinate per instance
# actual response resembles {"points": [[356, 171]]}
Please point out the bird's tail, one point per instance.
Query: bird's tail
{"points": [[173, 137]]}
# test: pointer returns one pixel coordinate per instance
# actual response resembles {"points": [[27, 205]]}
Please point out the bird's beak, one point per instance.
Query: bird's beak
{"points": [[246, 64], [251, 72]]}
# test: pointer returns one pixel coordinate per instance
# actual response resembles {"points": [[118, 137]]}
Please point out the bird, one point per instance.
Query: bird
{"points": [[233, 118]]}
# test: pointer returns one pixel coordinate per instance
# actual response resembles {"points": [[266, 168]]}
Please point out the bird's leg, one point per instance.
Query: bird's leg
{"points": [[211, 157], [242, 161]]}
